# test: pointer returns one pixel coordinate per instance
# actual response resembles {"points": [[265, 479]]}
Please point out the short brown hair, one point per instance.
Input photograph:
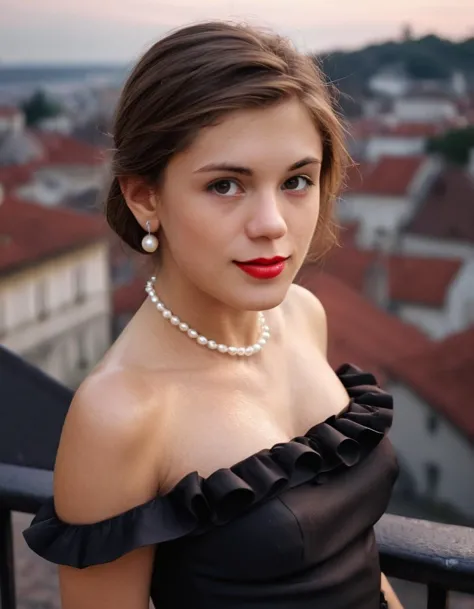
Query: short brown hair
{"points": [[194, 76]]}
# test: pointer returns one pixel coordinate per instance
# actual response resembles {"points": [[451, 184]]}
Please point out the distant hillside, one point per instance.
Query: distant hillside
{"points": [[430, 57]]}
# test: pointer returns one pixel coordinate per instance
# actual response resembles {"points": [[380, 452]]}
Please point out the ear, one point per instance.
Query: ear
{"points": [[141, 200]]}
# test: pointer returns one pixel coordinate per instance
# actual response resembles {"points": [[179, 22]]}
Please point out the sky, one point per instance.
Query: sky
{"points": [[118, 31]]}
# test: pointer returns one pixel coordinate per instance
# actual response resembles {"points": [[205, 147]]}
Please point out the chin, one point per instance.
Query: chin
{"points": [[262, 298]]}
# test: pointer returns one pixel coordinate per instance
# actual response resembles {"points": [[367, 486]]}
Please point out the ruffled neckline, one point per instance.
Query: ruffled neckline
{"points": [[196, 504]]}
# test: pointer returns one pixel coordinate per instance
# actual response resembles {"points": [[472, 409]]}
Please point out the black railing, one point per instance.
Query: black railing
{"points": [[438, 556]]}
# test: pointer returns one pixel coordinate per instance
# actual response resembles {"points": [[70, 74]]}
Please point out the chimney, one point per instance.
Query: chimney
{"points": [[377, 278]]}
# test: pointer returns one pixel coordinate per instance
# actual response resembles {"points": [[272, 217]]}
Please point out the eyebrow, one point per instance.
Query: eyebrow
{"points": [[309, 160]]}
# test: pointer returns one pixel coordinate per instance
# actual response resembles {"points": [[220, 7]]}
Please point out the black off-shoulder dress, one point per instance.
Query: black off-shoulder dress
{"points": [[290, 527]]}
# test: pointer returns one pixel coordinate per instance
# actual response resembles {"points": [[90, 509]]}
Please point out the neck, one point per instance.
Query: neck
{"points": [[206, 315]]}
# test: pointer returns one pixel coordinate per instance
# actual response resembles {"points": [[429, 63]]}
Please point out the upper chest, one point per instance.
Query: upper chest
{"points": [[223, 416]]}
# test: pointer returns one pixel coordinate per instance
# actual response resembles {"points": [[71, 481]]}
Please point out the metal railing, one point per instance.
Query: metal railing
{"points": [[439, 556]]}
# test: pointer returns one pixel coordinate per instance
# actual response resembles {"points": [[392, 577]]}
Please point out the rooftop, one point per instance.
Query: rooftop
{"points": [[9, 112], [30, 232], [448, 209], [412, 279], [390, 176], [442, 376], [360, 332]]}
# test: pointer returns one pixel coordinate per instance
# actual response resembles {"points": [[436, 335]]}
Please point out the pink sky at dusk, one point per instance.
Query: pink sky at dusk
{"points": [[118, 30]]}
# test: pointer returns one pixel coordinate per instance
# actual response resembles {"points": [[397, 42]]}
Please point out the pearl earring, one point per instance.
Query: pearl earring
{"points": [[149, 242]]}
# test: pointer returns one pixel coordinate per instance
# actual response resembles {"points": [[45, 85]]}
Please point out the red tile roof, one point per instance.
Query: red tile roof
{"points": [[129, 297], [65, 150], [360, 332], [442, 375], [412, 279], [9, 111], [16, 175], [390, 176], [448, 209], [30, 232], [365, 128], [57, 150], [425, 130]]}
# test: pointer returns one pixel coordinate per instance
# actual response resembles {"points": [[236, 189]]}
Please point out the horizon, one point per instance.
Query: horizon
{"points": [[116, 32], [123, 63]]}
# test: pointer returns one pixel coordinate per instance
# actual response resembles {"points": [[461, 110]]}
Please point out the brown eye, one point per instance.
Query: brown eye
{"points": [[298, 183], [224, 187]]}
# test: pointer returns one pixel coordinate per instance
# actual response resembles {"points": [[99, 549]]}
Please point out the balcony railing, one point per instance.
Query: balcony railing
{"points": [[438, 556]]}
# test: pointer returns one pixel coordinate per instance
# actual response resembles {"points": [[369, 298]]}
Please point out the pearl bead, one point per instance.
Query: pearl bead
{"points": [[201, 339], [150, 243]]}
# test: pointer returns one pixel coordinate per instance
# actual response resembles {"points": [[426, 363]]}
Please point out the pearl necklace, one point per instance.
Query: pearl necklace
{"points": [[202, 340]]}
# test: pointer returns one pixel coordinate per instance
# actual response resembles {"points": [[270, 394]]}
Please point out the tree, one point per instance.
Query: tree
{"points": [[454, 145], [39, 107]]}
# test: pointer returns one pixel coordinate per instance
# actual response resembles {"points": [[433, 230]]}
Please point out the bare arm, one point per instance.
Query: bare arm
{"points": [[390, 596], [105, 466]]}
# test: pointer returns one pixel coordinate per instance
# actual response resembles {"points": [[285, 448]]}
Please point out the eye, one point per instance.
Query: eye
{"points": [[298, 183], [224, 188]]}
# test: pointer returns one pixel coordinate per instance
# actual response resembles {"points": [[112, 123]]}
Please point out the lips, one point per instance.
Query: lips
{"points": [[263, 268]]}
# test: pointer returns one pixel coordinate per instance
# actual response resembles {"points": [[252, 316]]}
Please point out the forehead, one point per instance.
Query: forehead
{"points": [[276, 135]]}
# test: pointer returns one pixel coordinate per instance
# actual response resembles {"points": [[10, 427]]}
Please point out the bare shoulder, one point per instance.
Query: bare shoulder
{"points": [[107, 459], [308, 307]]}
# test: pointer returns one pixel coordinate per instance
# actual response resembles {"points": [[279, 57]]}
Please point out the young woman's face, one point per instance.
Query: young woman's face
{"points": [[246, 188]]}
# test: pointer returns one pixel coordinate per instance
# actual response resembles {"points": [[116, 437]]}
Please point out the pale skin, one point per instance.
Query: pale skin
{"points": [[149, 413]]}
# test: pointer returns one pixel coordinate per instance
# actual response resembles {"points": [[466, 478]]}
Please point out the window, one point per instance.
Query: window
{"points": [[82, 359], [40, 300], [432, 479], [432, 423], [79, 284]]}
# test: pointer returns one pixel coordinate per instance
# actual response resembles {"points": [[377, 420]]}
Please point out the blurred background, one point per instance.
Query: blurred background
{"points": [[399, 292]]}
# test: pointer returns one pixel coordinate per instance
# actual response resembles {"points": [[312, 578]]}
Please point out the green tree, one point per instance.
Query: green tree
{"points": [[39, 107], [454, 145]]}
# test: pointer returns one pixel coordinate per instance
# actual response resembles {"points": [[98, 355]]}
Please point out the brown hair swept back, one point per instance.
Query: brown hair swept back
{"points": [[194, 76]]}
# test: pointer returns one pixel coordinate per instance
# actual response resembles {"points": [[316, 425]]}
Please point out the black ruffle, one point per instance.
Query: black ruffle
{"points": [[195, 504]]}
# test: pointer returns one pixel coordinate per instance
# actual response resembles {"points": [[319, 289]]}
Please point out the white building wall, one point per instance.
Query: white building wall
{"points": [[374, 213], [57, 314], [422, 110], [52, 185], [437, 248], [445, 448], [433, 322], [384, 145], [460, 300]]}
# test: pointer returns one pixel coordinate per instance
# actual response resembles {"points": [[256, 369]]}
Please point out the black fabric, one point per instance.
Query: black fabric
{"points": [[290, 527], [33, 407]]}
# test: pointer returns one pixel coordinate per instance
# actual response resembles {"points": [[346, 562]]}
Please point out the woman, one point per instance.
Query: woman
{"points": [[213, 459]]}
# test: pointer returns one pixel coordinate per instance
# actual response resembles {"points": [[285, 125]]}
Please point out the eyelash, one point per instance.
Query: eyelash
{"points": [[209, 187]]}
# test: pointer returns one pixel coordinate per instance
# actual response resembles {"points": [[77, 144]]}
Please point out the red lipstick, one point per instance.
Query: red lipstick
{"points": [[263, 268]]}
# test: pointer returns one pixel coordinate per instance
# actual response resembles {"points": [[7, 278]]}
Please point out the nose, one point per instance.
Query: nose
{"points": [[266, 219]]}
